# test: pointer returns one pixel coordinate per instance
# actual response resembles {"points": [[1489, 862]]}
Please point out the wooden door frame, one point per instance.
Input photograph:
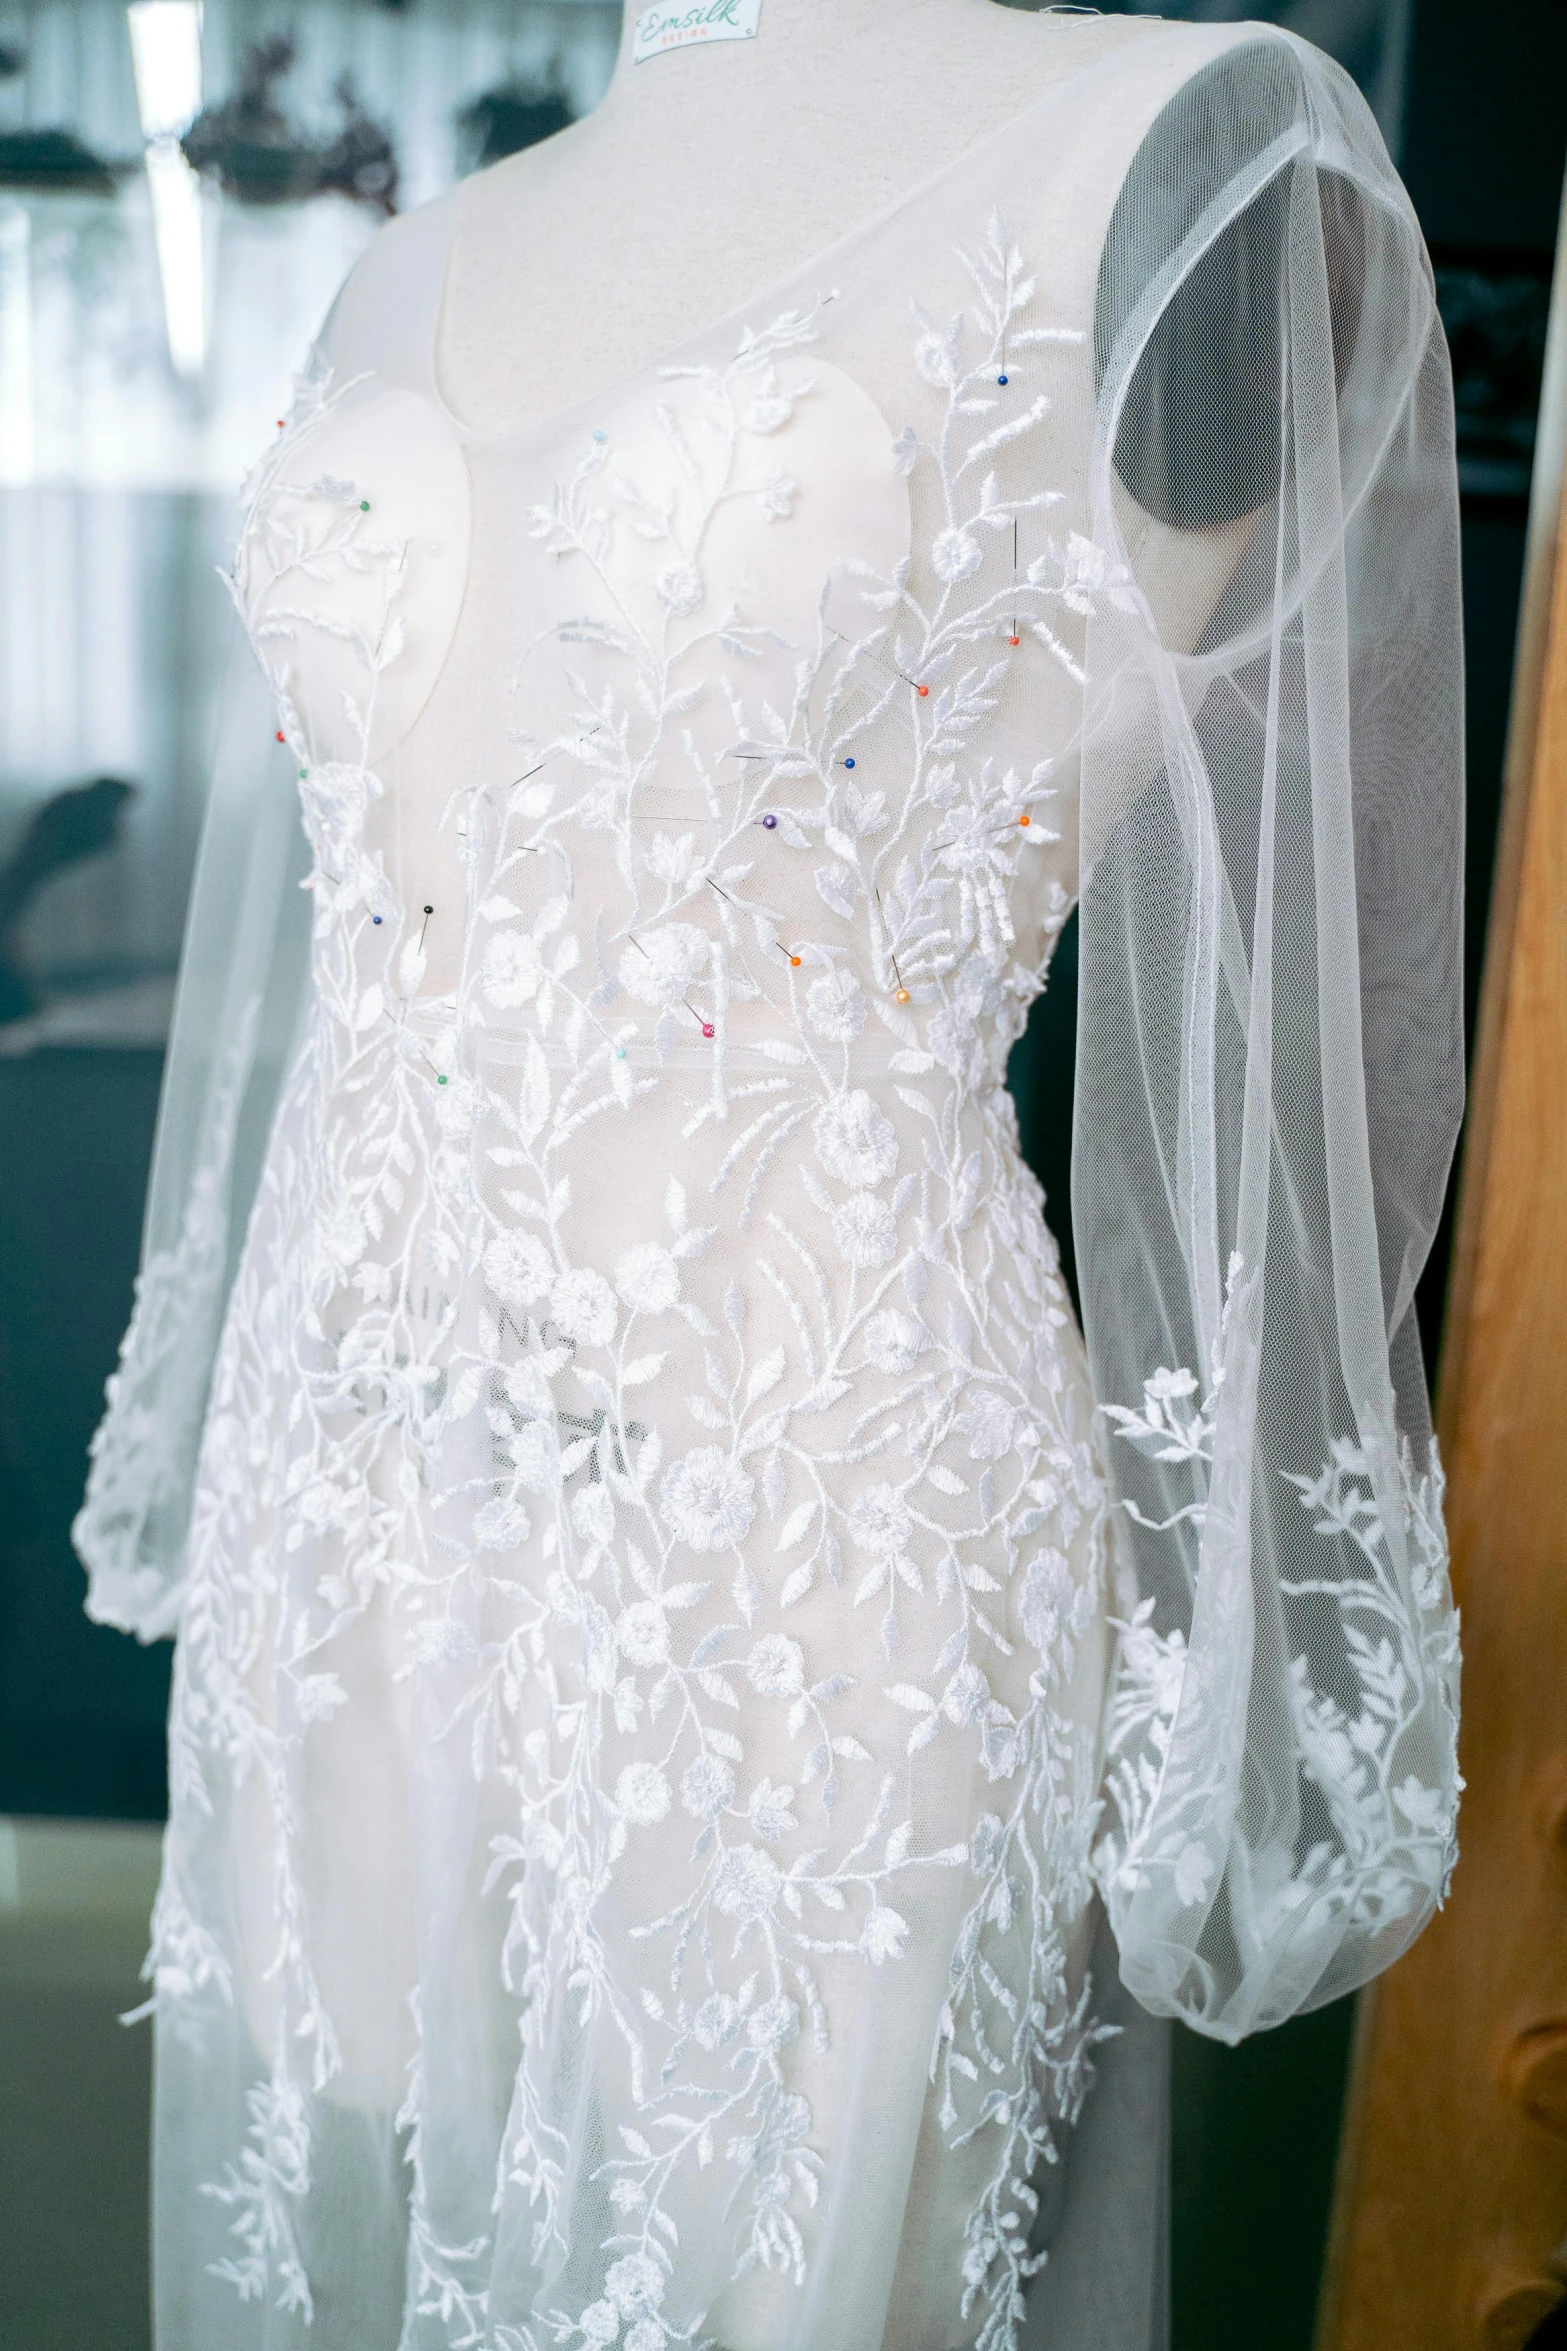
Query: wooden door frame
{"points": [[1449, 2229]]}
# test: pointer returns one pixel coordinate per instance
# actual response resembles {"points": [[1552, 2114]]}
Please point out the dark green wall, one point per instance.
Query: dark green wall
{"points": [[81, 1708]]}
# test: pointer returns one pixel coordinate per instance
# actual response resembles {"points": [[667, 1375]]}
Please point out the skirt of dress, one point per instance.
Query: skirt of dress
{"points": [[628, 1877]]}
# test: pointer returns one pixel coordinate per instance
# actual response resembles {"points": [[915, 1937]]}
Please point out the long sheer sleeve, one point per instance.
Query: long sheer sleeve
{"points": [[240, 1011], [1270, 1065], [242, 971]]}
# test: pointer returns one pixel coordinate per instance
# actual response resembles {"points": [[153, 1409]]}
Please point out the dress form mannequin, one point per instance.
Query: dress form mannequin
{"points": [[501, 1994]]}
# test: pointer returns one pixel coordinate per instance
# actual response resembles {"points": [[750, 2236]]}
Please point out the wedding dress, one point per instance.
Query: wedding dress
{"points": [[671, 1660]]}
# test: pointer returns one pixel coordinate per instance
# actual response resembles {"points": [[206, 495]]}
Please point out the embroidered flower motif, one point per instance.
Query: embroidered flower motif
{"points": [[512, 970], [707, 1500], [955, 1042], [933, 357], [642, 1794], [336, 798], [501, 1525], [769, 410], [880, 1522], [774, 2024], [892, 1341], [970, 841], [748, 1883], [776, 1667], [327, 1508], [777, 494], [680, 586], [717, 2020], [518, 1268], [865, 1229], [648, 1278], [835, 1006], [582, 1307], [707, 1787], [966, 1698], [635, 2283], [643, 1633], [854, 1140], [955, 555], [438, 1640], [771, 1812], [659, 965]]}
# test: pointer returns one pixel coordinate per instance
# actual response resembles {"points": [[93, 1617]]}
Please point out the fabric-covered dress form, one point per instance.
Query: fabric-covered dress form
{"points": [[668, 1646]]}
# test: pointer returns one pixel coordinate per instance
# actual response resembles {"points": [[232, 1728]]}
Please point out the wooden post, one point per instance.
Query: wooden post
{"points": [[1450, 2222]]}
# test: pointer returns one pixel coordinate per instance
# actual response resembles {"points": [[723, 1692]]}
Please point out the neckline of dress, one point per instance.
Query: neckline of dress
{"points": [[512, 435]]}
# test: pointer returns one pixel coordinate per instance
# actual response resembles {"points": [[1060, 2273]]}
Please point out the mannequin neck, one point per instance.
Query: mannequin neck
{"points": [[799, 44]]}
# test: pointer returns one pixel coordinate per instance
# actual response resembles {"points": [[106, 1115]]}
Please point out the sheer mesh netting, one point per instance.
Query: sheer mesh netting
{"points": [[674, 1627], [1271, 1065]]}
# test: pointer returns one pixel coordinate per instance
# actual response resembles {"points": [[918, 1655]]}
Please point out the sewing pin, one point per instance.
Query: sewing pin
{"points": [[705, 1026], [544, 762], [901, 993], [724, 894], [880, 658]]}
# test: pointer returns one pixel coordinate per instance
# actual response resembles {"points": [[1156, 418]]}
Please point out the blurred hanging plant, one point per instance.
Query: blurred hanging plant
{"points": [[52, 162], [516, 114], [258, 155], [56, 163]]}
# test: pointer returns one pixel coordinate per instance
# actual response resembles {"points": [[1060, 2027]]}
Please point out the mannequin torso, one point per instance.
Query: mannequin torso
{"points": [[708, 174]]}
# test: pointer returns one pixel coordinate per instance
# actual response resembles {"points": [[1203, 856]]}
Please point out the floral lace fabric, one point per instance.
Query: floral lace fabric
{"points": [[666, 1646]]}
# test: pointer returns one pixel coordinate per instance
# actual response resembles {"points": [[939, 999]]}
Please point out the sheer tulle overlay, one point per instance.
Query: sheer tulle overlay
{"points": [[680, 1646]]}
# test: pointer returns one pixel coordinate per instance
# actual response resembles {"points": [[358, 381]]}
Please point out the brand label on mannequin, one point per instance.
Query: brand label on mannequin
{"points": [[667, 25]]}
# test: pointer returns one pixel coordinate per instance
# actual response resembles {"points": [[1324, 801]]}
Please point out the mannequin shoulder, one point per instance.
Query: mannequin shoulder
{"points": [[1201, 229], [1223, 93], [1221, 109], [1227, 96], [393, 288]]}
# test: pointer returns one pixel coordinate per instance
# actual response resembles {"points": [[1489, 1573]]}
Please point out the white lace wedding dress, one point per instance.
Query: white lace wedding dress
{"points": [[667, 1647]]}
